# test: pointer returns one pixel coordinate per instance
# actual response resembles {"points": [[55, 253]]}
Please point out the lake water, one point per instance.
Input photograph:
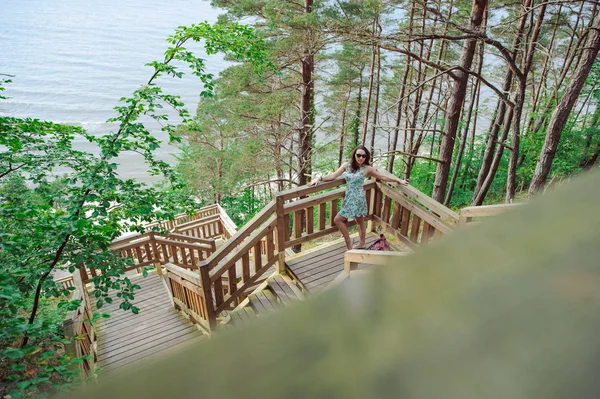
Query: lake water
{"points": [[72, 60]]}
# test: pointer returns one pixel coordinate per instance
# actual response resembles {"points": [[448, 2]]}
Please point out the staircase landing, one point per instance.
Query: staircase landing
{"points": [[317, 268], [126, 339]]}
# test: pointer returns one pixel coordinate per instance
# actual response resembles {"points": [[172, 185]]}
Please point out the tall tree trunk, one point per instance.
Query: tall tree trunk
{"points": [[519, 103], [499, 114], [371, 83], [413, 148], [306, 110], [456, 103], [401, 99], [561, 113], [343, 128], [356, 121], [544, 74], [575, 55], [376, 107], [463, 141], [478, 199]]}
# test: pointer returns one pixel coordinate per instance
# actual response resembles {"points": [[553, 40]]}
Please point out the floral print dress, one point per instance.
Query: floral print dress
{"points": [[355, 201]]}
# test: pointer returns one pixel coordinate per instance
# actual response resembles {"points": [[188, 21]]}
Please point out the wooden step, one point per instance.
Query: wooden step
{"points": [[284, 288], [263, 302], [241, 315]]}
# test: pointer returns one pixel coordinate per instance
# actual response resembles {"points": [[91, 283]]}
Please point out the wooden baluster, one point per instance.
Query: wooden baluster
{"points": [[270, 245], [148, 251], [257, 258], [298, 224], [184, 252], [414, 231], [322, 213], [231, 274], [405, 222], [246, 267], [396, 215], [371, 198], [286, 229], [155, 255], [425, 233], [378, 200], [218, 286], [281, 237], [387, 204], [139, 255], [310, 219], [165, 251], [193, 257], [174, 253], [333, 211]]}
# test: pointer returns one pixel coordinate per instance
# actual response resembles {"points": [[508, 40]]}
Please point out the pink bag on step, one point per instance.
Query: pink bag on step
{"points": [[381, 244]]}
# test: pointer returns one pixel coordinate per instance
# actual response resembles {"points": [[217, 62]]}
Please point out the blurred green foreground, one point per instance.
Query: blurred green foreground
{"points": [[506, 309]]}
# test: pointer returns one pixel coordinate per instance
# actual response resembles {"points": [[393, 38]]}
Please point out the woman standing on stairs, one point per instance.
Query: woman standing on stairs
{"points": [[355, 201]]}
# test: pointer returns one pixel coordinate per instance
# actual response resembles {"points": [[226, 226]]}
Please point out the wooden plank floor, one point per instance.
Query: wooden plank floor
{"points": [[316, 269], [126, 339]]}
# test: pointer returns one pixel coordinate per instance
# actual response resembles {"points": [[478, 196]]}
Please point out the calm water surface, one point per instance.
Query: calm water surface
{"points": [[73, 59]]}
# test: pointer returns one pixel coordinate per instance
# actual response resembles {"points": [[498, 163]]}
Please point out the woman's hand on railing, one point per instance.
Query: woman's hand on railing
{"points": [[315, 181]]}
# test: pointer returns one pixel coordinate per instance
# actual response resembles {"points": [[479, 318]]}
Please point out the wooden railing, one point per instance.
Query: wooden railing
{"points": [[294, 217], [79, 330], [188, 295], [476, 213], [225, 275], [65, 282], [184, 218], [151, 248]]}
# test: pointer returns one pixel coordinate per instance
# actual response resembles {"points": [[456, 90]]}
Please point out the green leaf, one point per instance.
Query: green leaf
{"points": [[99, 303], [12, 353]]}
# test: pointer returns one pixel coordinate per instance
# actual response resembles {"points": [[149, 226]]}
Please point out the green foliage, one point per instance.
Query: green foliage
{"points": [[51, 224]]}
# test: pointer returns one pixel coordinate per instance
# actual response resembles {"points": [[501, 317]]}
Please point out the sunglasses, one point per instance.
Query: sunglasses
{"points": [[361, 155]]}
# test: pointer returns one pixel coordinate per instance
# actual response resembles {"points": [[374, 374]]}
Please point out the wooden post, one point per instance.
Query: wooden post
{"points": [[372, 209], [208, 299], [281, 229], [349, 266]]}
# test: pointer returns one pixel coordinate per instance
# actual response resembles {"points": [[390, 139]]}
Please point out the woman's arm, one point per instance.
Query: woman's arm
{"points": [[371, 171], [331, 176]]}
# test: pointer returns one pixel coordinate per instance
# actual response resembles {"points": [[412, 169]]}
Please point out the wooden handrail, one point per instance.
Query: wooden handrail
{"points": [[228, 224], [182, 237], [424, 214], [488, 210], [251, 242], [355, 257], [314, 200], [434, 206], [243, 233], [306, 190]]}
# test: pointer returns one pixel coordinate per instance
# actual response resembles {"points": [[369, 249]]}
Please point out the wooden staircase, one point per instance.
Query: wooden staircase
{"points": [[277, 291]]}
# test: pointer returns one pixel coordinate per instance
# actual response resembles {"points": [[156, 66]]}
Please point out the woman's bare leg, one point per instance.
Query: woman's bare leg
{"points": [[360, 221], [342, 224]]}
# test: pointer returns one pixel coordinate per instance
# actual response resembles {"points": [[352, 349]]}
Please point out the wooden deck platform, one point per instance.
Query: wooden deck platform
{"points": [[126, 339], [319, 267]]}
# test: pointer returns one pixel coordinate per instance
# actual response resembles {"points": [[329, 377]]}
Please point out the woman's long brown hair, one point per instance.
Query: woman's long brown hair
{"points": [[353, 164]]}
